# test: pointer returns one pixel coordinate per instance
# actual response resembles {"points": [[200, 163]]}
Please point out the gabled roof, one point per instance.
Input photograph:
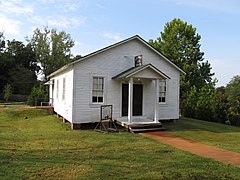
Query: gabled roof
{"points": [[134, 70], [136, 37]]}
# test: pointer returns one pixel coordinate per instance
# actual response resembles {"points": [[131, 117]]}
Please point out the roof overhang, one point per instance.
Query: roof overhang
{"points": [[49, 82], [147, 71]]}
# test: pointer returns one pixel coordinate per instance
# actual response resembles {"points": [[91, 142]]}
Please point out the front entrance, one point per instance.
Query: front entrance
{"points": [[137, 99]]}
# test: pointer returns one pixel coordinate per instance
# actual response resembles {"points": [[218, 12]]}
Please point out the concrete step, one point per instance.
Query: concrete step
{"points": [[147, 130], [144, 126]]}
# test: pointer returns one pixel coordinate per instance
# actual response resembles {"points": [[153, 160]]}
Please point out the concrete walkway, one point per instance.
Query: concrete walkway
{"points": [[194, 147]]}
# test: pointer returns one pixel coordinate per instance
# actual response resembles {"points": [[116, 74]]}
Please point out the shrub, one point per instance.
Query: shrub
{"points": [[37, 95], [7, 92]]}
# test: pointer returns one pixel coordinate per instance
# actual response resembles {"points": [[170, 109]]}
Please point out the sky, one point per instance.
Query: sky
{"points": [[95, 24]]}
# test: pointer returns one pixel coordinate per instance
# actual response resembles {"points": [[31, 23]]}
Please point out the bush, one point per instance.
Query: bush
{"points": [[234, 119], [38, 95], [7, 91]]}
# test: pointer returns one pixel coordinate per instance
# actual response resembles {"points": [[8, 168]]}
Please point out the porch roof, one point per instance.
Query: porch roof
{"points": [[134, 70]]}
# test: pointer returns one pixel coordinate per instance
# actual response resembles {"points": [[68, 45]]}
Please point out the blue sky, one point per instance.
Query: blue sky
{"points": [[94, 24]]}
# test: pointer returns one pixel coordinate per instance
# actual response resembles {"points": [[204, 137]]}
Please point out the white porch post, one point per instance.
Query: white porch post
{"points": [[130, 99], [156, 109], [51, 93]]}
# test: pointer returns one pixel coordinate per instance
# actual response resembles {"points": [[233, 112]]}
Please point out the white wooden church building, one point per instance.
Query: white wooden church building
{"points": [[139, 82]]}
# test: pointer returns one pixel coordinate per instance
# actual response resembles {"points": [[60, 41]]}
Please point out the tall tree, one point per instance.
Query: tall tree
{"points": [[181, 44], [3, 80], [221, 105], [52, 48], [2, 42], [18, 66], [233, 95]]}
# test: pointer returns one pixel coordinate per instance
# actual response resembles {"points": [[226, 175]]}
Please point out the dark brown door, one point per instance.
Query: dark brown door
{"points": [[137, 99], [124, 99]]}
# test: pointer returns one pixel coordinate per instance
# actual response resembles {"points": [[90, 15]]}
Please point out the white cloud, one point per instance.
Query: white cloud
{"points": [[218, 5], [15, 7], [69, 6], [58, 21], [63, 5], [112, 36], [9, 26]]}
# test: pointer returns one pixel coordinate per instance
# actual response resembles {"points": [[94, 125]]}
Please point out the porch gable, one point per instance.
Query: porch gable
{"points": [[147, 71]]}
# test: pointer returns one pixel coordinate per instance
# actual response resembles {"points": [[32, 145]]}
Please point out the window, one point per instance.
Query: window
{"points": [[162, 91], [97, 89], [57, 88], [64, 86]]}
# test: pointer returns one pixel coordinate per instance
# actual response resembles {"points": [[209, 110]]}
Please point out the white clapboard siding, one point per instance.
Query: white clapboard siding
{"points": [[64, 106], [112, 62], [77, 107]]}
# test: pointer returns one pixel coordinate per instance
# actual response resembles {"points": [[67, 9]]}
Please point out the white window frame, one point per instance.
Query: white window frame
{"points": [[162, 90], [98, 89]]}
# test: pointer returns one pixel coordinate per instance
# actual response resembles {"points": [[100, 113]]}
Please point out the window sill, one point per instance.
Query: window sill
{"points": [[163, 104]]}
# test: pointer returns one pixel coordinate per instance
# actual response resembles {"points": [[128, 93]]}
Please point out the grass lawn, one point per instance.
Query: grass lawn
{"points": [[11, 104], [220, 135], [36, 145]]}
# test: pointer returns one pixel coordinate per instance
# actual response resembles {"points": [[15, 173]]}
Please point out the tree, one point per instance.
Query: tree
{"points": [[2, 70], [38, 94], [22, 80], [233, 96], [7, 91], [52, 48], [18, 67], [179, 42], [200, 103], [221, 105], [23, 55], [2, 42]]}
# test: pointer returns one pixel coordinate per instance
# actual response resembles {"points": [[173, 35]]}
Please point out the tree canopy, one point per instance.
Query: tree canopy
{"points": [[181, 44], [52, 48], [233, 96], [18, 66]]}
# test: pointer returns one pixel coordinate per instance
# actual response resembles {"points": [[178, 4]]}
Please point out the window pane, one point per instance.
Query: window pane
{"points": [[95, 80], [162, 94], [99, 93], [100, 87], [94, 99], [95, 86], [161, 89], [100, 99], [94, 93], [100, 80]]}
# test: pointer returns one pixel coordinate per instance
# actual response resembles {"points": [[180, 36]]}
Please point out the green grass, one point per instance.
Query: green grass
{"points": [[10, 104], [35, 145], [216, 134]]}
